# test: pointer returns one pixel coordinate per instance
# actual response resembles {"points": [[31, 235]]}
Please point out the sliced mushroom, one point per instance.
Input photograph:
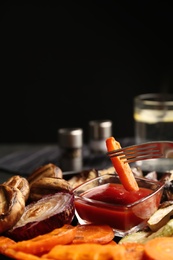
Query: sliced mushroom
{"points": [[48, 170], [12, 205], [21, 183], [48, 185]]}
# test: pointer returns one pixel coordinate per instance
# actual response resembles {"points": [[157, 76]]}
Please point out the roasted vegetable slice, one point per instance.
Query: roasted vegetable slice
{"points": [[92, 233], [44, 215], [88, 251], [123, 169], [83, 176], [161, 216], [48, 170], [48, 185], [21, 183], [166, 230], [159, 248], [137, 237], [44, 243], [144, 236], [12, 204]]}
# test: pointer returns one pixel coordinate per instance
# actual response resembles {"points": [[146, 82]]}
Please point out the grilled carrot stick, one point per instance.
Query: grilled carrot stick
{"points": [[123, 169]]}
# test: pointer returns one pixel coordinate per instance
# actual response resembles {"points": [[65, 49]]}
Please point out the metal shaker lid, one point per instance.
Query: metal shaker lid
{"points": [[70, 137], [100, 129]]}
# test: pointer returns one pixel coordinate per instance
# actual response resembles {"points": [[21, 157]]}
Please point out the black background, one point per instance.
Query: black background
{"points": [[65, 63]]}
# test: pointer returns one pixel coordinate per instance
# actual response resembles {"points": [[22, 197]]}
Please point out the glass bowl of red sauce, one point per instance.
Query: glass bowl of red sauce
{"points": [[104, 200]]}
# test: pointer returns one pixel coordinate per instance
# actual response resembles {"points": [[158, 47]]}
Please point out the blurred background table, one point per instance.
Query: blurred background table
{"points": [[23, 158]]}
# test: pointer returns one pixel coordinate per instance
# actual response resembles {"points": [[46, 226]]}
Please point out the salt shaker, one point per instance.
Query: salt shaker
{"points": [[71, 144], [99, 131]]}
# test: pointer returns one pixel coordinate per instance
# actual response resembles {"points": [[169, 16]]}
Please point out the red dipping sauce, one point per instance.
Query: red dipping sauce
{"points": [[111, 204]]}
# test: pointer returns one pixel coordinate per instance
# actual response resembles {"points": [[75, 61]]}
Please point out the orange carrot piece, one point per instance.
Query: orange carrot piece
{"points": [[20, 255], [43, 243], [159, 248], [91, 233], [112, 242], [134, 251], [5, 242], [87, 251], [124, 171]]}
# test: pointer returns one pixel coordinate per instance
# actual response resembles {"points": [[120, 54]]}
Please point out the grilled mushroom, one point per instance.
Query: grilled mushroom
{"points": [[21, 183], [48, 170], [12, 205], [47, 185]]}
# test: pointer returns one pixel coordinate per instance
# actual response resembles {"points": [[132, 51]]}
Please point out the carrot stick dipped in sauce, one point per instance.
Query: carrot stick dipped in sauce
{"points": [[124, 171]]}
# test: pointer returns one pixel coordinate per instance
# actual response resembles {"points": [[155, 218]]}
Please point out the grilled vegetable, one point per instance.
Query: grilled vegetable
{"points": [[83, 176], [168, 190], [137, 237], [92, 233], [48, 170], [12, 204], [47, 185], [165, 231], [42, 244], [159, 248], [144, 236], [123, 169], [21, 183], [161, 216], [44, 215]]}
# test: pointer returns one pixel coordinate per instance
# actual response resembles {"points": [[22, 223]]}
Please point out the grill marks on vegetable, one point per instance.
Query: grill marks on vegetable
{"points": [[48, 170], [37, 205], [43, 216], [47, 185], [12, 205]]}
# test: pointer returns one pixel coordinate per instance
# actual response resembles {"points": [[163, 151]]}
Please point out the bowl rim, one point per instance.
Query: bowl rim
{"points": [[160, 186]]}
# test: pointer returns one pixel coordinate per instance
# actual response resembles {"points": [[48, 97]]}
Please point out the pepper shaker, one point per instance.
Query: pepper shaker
{"points": [[71, 145], [99, 130]]}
